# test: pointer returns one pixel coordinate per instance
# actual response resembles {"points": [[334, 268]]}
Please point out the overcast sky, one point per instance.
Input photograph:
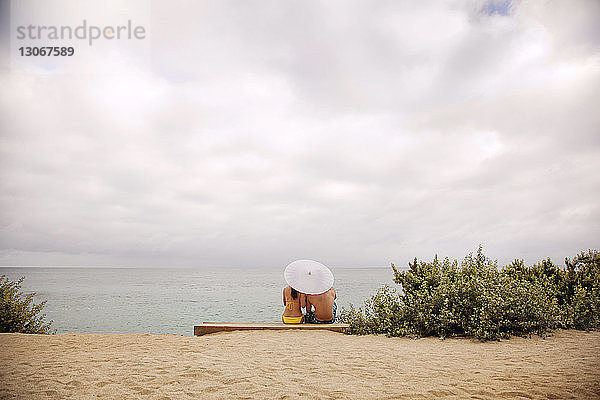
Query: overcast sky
{"points": [[252, 134]]}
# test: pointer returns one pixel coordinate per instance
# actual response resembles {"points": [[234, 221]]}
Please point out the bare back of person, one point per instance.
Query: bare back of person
{"points": [[293, 306], [322, 303]]}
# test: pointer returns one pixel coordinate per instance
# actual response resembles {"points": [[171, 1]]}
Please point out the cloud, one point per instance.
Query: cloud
{"points": [[353, 134]]}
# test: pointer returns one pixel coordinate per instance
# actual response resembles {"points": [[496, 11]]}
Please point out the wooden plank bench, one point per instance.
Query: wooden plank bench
{"points": [[212, 327]]}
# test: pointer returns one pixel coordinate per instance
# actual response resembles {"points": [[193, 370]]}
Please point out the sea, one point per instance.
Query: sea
{"points": [[173, 300]]}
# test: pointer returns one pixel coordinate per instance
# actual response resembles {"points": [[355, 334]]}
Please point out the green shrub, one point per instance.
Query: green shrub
{"points": [[478, 299], [580, 291], [18, 312]]}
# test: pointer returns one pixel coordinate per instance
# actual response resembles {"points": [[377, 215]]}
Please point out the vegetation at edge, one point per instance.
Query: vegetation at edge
{"points": [[18, 312], [476, 298]]}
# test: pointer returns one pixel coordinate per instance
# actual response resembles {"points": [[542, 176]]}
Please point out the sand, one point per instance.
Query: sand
{"points": [[297, 364]]}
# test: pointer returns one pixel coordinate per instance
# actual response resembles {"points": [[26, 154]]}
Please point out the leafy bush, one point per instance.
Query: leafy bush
{"points": [[18, 312], [478, 299]]}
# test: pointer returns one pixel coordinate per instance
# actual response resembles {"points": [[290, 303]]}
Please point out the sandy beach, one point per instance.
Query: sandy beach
{"points": [[297, 364]]}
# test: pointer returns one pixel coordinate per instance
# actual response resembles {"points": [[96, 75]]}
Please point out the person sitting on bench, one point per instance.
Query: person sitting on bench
{"points": [[324, 308], [294, 302]]}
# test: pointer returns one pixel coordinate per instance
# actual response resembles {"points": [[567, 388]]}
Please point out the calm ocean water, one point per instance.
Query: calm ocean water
{"points": [[136, 300]]}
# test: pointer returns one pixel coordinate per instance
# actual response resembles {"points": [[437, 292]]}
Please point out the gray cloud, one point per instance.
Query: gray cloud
{"points": [[355, 134]]}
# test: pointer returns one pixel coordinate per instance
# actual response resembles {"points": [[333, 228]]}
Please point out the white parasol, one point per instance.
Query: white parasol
{"points": [[309, 277]]}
